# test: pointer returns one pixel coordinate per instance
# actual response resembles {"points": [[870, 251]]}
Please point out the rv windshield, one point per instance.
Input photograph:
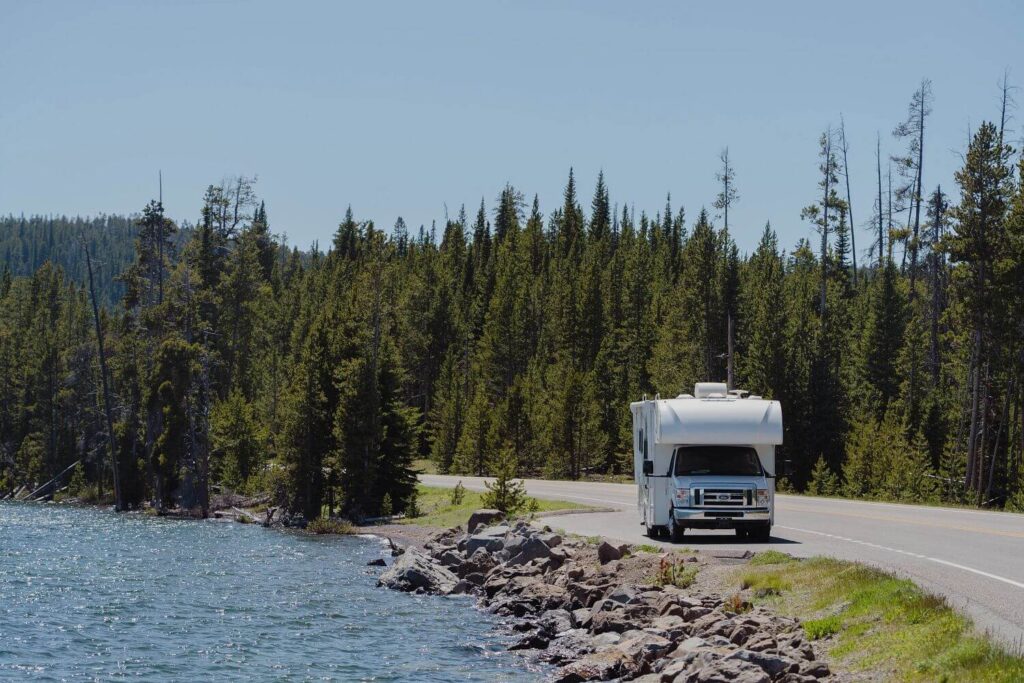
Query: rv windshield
{"points": [[726, 461]]}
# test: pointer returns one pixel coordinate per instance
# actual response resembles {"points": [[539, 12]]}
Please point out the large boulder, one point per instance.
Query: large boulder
{"points": [[532, 549], [415, 571], [606, 552], [484, 516], [729, 671], [598, 666], [492, 543]]}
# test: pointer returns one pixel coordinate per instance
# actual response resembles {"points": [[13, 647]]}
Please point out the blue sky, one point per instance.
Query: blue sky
{"points": [[400, 107]]}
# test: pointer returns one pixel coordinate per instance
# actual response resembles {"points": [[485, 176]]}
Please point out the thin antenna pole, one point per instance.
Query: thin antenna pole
{"points": [[160, 175]]}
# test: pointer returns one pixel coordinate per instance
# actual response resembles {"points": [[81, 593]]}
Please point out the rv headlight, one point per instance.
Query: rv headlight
{"points": [[683, 498], [762, 498]]}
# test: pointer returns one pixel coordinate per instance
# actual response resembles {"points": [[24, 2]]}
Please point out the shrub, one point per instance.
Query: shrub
{"points": [[672, 572], [412, 503], [505, 493], [458, 494], [387, 508], [329, 525]]}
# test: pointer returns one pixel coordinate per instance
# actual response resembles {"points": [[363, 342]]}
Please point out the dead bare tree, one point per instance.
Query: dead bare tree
{"points": [[844, 147], [107, 409]]}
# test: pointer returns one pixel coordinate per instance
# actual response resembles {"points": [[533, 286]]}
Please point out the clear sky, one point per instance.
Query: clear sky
{"points": [[401, 107]]}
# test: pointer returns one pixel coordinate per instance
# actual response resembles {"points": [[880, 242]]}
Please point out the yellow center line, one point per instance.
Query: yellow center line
{"points": [[903, 520]]}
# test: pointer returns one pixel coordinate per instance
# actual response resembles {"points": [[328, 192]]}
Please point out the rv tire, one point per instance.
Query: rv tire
{"points": [[762, 533], [675, 531]]}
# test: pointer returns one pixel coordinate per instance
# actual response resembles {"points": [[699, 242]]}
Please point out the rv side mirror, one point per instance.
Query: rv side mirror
{"points": [[648, 467], [785, 468]]}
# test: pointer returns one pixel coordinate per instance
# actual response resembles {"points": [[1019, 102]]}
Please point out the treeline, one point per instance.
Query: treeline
{"points": [[27, 243], [514, 340]]}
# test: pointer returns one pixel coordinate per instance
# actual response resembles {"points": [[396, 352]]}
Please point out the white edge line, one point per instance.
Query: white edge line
{"points": [[937, 560]]}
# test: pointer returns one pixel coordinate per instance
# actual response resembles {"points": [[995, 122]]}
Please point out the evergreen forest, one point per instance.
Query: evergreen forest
{"points": [[513, 337]]}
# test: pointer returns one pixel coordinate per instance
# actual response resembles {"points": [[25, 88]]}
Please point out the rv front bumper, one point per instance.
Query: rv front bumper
{"points": [[712, 518]]}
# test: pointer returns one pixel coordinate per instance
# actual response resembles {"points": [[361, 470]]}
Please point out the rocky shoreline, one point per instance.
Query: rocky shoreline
{"points": [[594, 612]]}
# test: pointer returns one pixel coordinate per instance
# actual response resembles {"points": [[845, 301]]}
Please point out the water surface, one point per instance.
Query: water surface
{"points": [[89, 595]]}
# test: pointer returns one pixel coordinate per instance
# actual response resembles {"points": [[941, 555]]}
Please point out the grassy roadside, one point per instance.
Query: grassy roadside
{"points": [[875, 623], [437, 508]]}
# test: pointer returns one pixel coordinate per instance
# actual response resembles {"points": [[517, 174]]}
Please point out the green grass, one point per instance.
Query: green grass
{"points": [[816, 629], [771, 557], [437, 509], [879, 624]]}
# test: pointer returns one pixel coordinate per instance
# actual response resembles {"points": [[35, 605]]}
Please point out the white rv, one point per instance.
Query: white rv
{"points": [[706, 461]]}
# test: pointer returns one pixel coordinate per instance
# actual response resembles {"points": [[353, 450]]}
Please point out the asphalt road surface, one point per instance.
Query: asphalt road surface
{"points": [[975, 559]]}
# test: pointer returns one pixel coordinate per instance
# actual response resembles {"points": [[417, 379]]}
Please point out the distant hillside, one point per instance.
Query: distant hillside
{"points": [[28, 242]]}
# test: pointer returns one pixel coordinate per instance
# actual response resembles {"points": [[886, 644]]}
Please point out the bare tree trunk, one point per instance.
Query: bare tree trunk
{"points": [[995, 447], [849, 200], [107, 410], [731, 377], [972, 438], [916, 199], [881, 228]]}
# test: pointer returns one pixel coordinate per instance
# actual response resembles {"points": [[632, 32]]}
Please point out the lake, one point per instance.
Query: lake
{"points": [[86, 594]]}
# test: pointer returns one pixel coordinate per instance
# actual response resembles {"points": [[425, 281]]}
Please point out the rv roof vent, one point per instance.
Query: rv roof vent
{"points": [[685, 396], [739, 393], [710, 389], [755, 397]]}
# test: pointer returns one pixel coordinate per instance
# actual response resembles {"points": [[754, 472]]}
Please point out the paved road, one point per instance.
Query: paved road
{"points": [[974, 558]]}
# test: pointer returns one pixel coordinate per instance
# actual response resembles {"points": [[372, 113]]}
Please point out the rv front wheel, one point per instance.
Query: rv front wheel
{"points": [[675, 531], [762, 533]]}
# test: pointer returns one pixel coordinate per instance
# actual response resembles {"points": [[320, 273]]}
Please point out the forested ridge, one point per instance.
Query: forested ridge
{"points": [[27, 243], [513, 338]]}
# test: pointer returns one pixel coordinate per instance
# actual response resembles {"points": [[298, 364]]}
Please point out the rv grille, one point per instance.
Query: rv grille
{"points": [[723, 498]]}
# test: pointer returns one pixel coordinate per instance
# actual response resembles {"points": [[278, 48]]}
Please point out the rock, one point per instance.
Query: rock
{"points": [[773, 665], [642, 647], [556, 621], [464, 587], [689, 645], [581, 617], [475, 578], [568, 646], [610, 621], [606, 553], [488, 542], [414, 571], [671, 627], [514, 543], [761, 642], [551, 540], [606, 639], [728, 671], [741, 634], [484, 516], [623, 594], [379, 562], [532, 549], [450, 559], [532, 641], [597, 666], [815, 669]]}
